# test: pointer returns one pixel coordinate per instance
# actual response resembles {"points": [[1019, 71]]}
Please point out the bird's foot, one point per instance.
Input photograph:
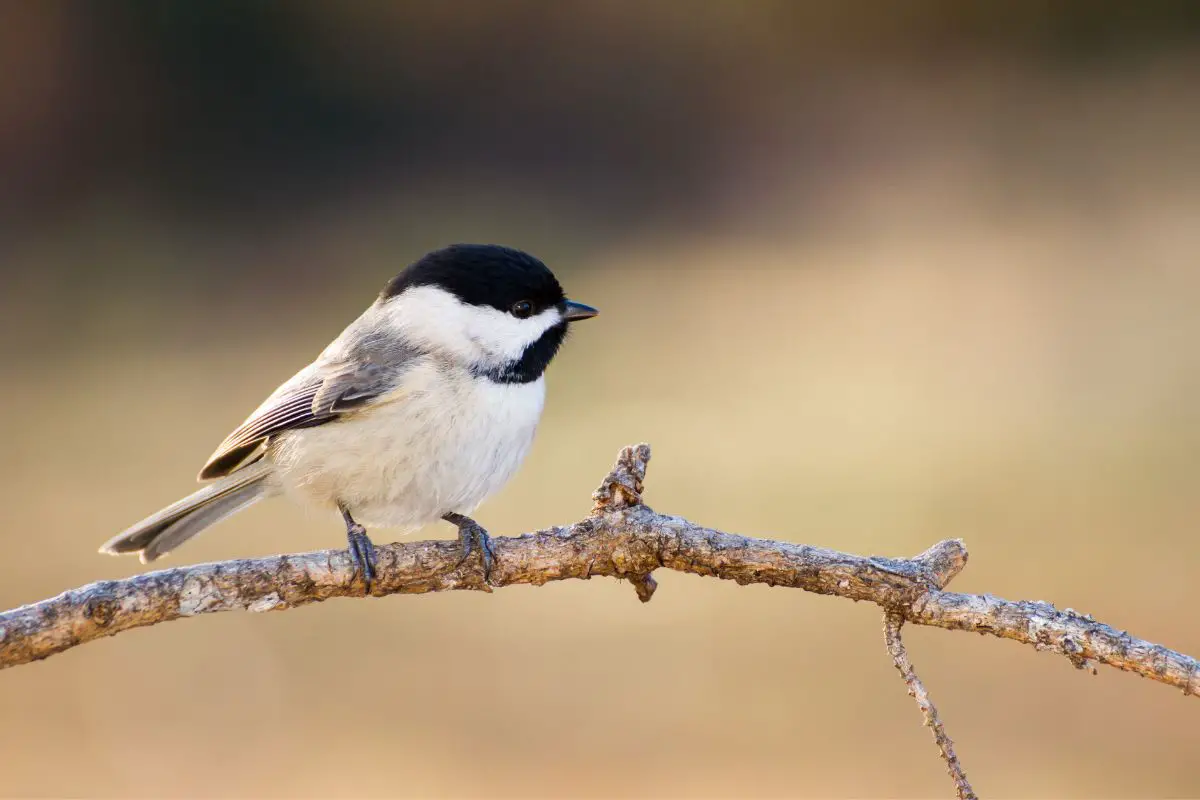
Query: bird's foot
{"points": [[470, 535], [362, 553]]}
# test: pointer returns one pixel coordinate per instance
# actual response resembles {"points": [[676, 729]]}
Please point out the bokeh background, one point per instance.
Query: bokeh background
{"points": [[871, 274]]}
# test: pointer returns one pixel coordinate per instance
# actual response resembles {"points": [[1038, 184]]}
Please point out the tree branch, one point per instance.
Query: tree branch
{"points": [[621, 538], [895, 646]]}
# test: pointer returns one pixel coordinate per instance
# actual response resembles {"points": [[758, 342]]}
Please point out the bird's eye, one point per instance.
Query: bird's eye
{"points": [[522, 309]]}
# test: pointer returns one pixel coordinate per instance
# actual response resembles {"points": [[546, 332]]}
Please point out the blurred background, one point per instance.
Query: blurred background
{"points": [[872, 275]]}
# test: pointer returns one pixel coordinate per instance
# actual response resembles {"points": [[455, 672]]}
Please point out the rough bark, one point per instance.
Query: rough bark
{"points": [[916, 690], [621, 538]]}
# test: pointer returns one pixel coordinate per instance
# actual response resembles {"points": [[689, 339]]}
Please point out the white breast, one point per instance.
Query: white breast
{"points": [[444, 444]]}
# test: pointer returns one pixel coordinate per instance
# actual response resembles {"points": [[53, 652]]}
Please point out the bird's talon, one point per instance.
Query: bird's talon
{"points": [[362, 553], [485, 552], [471, 533]]}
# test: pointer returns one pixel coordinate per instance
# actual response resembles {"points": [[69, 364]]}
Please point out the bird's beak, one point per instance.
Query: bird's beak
{"points": [[573, 312]]}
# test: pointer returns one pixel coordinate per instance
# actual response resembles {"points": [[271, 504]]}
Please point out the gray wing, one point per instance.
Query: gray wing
{"points": [[317, 395]]}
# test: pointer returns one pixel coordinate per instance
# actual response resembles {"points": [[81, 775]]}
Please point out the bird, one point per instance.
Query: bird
{"points": [[422, 408]]}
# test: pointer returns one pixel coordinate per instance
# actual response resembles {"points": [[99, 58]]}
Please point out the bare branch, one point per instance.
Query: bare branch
{"points": [[916, 689], [621, 538]]}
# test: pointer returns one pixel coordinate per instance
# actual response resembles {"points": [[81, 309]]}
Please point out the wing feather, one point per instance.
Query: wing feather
{"points": [[314, 397]]}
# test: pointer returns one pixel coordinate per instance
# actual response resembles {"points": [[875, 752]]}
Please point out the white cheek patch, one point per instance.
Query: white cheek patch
{"points": [[504, 336], [434, 318]]}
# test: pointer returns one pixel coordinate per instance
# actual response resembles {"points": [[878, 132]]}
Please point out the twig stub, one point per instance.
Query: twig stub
{"points": [[622, 538], [622, 487]]}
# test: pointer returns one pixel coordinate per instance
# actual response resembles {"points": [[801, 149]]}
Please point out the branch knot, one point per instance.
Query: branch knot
{"points": [[622, 538], [622, 487]]}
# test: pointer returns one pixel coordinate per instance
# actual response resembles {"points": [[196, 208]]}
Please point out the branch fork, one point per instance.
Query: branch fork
{"points": [[623, 538]]}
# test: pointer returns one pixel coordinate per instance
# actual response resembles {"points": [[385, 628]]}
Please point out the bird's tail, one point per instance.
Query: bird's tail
{"points": [[160, 533]]}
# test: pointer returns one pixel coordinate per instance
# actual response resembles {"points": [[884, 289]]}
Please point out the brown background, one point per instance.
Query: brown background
{"points": [[870, 276]]}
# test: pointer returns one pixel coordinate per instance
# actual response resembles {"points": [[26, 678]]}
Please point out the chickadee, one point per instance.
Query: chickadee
{"points": [[422, 408]]}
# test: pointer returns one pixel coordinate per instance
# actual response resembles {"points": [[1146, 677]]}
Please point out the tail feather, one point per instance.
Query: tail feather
{"points": [[162, 532]]}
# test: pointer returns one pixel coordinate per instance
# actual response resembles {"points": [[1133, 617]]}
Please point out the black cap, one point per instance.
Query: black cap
{"points": [[483, 275]]}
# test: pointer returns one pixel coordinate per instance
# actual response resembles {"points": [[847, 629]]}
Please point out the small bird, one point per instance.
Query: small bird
{"points": [[418, 411]]}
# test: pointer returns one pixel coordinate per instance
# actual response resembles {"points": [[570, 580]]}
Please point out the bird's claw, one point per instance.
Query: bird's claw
{"points": [[470, 535], [362, 553]]}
